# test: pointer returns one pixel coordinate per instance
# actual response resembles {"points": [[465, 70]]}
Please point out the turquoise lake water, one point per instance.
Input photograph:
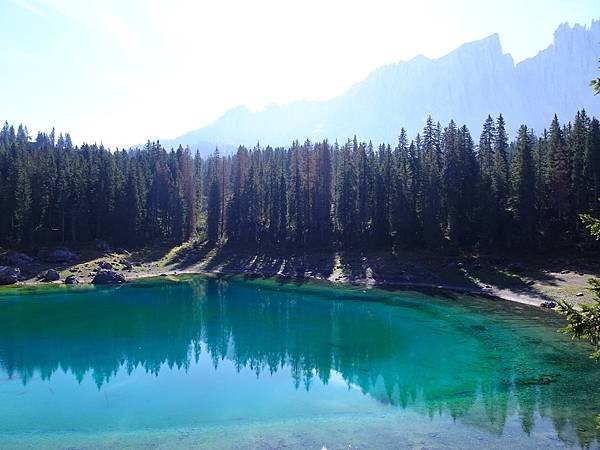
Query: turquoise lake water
{"points": [[201, 362]]}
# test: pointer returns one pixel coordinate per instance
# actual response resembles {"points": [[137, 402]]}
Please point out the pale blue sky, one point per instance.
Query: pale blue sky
{"points": [[122, 71]]}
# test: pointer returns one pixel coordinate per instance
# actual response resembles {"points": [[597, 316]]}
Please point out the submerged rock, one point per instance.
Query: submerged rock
{"points": [[9, 275], [108, 277], [71, 279], [51, 275], [541, 380]]}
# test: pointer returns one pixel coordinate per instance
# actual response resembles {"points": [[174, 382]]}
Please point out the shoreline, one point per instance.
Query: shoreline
{"points": [[530, 282], [426, 288]]}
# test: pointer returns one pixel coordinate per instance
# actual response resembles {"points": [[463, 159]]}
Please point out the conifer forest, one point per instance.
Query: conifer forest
{"points": [[442, 188]]}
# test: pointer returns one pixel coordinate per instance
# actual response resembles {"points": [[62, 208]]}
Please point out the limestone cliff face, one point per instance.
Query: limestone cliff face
{"points": [[469, 83], [557, 79]]}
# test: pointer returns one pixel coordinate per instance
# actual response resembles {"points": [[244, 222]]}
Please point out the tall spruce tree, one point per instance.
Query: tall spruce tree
{"points": [[591, 166], [430, 198], [523, 189], [487, 203], [213, 213], [501, 182], [560, 180]]}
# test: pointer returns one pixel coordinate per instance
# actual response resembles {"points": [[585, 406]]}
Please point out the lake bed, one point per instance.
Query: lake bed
{"points": [[229, 363]]}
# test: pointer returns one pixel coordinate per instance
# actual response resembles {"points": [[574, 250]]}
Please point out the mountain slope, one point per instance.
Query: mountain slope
{"points": [[469, 83]]}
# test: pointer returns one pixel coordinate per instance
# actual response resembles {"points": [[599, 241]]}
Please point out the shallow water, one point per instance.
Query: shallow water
{"points": [[209, 363]]}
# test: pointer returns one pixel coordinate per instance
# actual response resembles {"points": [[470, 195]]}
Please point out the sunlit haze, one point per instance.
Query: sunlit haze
{"points": [[127, 71]]}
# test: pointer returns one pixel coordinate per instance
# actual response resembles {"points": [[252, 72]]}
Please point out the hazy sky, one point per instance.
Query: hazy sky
{"points": [[122, 71]]}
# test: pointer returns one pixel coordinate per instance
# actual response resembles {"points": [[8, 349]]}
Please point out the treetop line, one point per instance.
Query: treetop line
{"points": [[439, 190]]}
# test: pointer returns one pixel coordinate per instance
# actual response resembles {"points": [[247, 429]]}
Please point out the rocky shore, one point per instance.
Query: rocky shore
{"points": [[537, 283]]}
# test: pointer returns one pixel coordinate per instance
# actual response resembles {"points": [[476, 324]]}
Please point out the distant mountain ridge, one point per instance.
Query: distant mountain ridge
{"points": [[467, 84]]}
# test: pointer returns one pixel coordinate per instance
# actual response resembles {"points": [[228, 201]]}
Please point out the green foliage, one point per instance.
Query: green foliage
{"points": [[584, 323], [438, 190], [592, 224], [214, 206], [55, 192], [523, 188]]}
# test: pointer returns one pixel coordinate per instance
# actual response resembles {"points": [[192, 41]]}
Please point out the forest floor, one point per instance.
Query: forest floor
{"points": [[529, 281]]}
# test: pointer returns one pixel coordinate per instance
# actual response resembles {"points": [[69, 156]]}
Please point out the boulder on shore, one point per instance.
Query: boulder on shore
{"points": [[71, 279], [51, 275], [548, 304], [108, 277], [9, 275], [105, 265]]}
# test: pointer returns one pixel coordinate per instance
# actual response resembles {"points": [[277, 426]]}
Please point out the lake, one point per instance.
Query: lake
{"points": [[203, 362]]}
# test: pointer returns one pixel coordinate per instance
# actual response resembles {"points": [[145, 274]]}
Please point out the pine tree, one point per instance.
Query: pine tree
{"points": [[560, 179], [20, 208], [187, 189], [283, 208], [591, 167], [405, 188], [523, 189], [234, 206], [346, 205], [543, 196], [199, 192], [584, 323], [213, 210], [501, 182], [323, 195], [362, 189], [578, 187], [459, 178], [383, 183], [430, 198], [296, 201], [487, 205], [249, 210], [133, 208]]}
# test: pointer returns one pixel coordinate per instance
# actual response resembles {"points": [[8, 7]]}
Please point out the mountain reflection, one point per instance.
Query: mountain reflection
{"points": [[478, 368]]}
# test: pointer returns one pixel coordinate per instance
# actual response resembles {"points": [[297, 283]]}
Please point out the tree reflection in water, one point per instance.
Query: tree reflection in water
{"points": [[476, 361]]}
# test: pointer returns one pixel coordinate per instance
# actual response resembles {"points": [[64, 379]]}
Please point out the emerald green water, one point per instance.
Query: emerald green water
{"points": [[207, 363]]}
